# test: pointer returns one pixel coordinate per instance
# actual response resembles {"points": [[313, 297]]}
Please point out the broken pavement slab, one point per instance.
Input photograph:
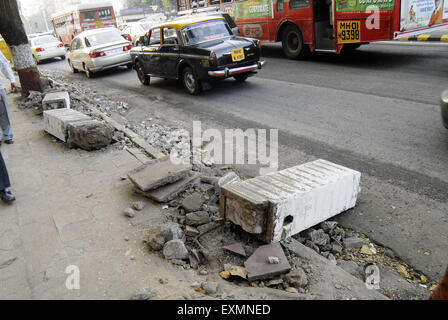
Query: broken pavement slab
{"points": [[56, 121], [327, 281], [157, 173], [56, 100], [170, 191], [236, 248], [258, 266], [278, 205]]}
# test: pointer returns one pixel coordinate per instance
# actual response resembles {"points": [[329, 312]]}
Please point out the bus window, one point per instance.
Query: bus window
{"points": [[299, 4], [280, 5], [105, 14], [88, 15]]}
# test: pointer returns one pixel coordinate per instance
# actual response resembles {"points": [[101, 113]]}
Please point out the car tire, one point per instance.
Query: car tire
{"points": [[292, 43], [142, 76], [89, 74], [190, 82], [241, 77], [63, 57], [72, 68]]}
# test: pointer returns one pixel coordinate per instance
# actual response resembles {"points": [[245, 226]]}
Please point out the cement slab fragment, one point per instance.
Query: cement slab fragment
{"points": [[258, 266]]}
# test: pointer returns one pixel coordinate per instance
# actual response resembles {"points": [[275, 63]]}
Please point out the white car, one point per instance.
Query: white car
{"points": [[46, 47], [135, 30], [99, 49]]}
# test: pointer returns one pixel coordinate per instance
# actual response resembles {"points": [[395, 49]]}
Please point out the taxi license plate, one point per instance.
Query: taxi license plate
{"points": [[349, 31], [237, 54]]}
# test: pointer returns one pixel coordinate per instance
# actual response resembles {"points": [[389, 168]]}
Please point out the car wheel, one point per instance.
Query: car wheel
{"points": [[72, 68], [241, 77], [142, 76], [190, 82], [292, 43], [89, 74], [62, 57]]}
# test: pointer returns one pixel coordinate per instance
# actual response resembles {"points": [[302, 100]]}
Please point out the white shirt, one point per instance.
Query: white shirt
{"points": [[5, 68]]}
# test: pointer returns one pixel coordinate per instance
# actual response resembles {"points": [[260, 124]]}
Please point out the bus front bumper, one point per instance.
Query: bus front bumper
{"points": [[233, 71]]}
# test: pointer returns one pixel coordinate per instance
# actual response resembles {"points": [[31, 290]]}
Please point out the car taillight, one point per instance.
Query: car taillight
{"points": [[97, 54], [128, 47], [40, 49], [60, 45]]}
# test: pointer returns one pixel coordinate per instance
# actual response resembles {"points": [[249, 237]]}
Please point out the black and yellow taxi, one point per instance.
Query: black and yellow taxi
{"points": [[196, 50]]}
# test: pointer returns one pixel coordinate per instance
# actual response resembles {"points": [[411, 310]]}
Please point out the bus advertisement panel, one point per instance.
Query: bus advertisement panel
{"points": [[423, 14]]}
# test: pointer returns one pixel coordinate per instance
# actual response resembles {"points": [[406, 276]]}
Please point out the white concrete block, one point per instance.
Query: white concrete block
{"points": [[281, 204], [56, 121], [56, 100]]}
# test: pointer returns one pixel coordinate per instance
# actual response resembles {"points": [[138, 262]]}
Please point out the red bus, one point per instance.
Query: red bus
{"points": [[305, 26], [68, 23]]}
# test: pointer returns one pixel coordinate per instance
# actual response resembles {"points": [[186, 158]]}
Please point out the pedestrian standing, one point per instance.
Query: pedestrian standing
{"points": [[5, 193], [5, 121]]}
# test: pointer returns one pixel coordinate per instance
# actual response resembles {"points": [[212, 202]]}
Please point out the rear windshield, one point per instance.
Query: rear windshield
{"points": [[205, 31], [103, 38], [43, 40]]}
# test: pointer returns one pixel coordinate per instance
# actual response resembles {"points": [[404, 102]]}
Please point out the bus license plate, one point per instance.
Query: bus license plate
{"points": [[237, 54], [349, 31]]}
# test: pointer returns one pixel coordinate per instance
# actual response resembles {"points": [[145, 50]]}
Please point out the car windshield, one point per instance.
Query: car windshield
{"points": [[103, 38], [205, 31], [44, 40]]}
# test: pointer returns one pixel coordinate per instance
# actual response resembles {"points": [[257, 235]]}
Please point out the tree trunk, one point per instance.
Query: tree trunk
{"points": [[12, 30]]}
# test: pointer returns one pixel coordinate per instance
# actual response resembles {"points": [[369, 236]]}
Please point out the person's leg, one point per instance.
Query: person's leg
{"points": [[5, 194], [5, 122]]}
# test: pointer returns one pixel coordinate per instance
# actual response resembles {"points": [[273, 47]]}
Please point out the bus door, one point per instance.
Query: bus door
{"points": [[324, 25]]}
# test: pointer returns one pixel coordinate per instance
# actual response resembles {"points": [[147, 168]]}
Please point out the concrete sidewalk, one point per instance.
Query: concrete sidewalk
{"points": [[69, 211]]}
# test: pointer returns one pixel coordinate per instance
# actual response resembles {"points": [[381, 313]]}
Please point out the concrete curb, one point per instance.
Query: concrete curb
{"points": [[426, 37]]}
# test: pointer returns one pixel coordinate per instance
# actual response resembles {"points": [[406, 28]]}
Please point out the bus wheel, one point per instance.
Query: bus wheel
{"points": [[292, 43], [72, 68]]}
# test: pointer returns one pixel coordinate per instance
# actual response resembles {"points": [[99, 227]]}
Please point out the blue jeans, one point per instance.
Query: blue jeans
{"points": [[5, 121]]}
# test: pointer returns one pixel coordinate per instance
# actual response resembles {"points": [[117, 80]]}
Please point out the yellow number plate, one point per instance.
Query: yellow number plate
{"points": [[237, 54], [99, 23], [349, 31]]}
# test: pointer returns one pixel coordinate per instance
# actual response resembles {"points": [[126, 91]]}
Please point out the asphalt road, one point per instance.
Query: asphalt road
{"points": [[375, 110]]}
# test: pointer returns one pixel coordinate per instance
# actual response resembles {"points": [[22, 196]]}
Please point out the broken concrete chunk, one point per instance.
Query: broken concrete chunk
{"points": [[57, 120], [170, 191], [175, 249], [89, 134], [56, 100], [157, 173], [297, 278], [210, 287], [158, 235], [311, 245], [197, 218], [319, 237], [273, 260], [236, 248], [193, 202], [191, 231], [353, 243], [336, 248], [138, 205], [328, 226], [317, 190], [258, 266], [129, 212], [208, 226]]}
